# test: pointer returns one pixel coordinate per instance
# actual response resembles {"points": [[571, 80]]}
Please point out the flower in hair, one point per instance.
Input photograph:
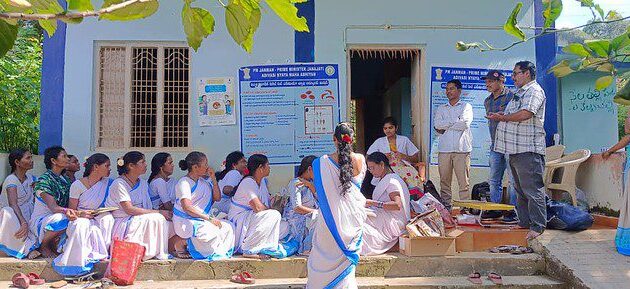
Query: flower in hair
{"points": [[120, 162], [84, 164], [346, 138]]}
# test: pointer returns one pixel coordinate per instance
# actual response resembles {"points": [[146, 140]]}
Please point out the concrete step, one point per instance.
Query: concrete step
{"points": [[388, 265], [511, 282]]}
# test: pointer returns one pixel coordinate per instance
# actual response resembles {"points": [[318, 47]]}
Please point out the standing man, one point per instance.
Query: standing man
{"points": [[521, 135], [452, 122], [496, 102]]}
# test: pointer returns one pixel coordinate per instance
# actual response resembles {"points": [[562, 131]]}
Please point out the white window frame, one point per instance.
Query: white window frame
{"points": [[129, 45]]}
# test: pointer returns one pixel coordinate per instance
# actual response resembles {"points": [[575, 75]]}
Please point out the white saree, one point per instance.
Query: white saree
{"points": [[9, 222]]}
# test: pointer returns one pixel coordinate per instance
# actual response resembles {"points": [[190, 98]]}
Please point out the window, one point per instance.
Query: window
{"points": [[143, 96]]}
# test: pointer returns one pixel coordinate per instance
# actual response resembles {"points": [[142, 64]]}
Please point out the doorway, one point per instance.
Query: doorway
{"points": [[382, 82]]}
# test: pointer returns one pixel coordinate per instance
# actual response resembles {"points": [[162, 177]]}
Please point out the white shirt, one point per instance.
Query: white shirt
{"points": [[24, 190], [456, 120], [403, 145]]}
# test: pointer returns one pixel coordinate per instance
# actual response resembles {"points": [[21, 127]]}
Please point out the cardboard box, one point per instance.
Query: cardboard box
{"points": [[429, 246]]}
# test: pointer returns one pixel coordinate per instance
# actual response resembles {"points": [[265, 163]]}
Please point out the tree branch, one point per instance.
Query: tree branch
{"points": [[547, 32], [69, 15]]}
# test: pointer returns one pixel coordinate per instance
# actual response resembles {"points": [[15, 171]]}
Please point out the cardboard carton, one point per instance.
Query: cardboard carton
{"points": [[429, 246]]}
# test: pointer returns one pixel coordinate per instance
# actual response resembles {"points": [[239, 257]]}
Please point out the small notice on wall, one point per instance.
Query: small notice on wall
{"points": [[215, 101]]}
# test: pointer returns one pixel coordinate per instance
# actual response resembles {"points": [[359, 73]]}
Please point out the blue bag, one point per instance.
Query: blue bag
{"points": [[562, 216]]}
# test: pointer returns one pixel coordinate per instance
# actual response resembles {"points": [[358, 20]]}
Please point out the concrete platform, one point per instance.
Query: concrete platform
{"points": [[586, 259], [389, 265], [512, 282]]}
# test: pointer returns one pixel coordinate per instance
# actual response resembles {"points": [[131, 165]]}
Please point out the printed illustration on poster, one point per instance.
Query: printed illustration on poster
{"points": [[215, 100]]}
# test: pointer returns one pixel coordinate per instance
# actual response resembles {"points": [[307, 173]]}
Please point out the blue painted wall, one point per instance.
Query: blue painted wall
{"points": [[545, 59], [52, 85]]}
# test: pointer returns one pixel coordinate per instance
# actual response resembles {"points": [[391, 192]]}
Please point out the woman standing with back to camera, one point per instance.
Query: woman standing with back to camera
{"points": [[337, 235]]}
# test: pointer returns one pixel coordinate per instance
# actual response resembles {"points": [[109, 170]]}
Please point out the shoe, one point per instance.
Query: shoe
{"points": [[510, 218], [491, 215]]}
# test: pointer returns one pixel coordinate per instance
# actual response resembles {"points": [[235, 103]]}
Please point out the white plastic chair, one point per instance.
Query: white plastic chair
{"points": [[569, 164]]}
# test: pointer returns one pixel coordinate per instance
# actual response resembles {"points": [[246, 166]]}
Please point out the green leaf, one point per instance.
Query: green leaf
{"points": [[19, 3], [134, 11], [561, 69], [606, 67], [600, 11], [198, 24], [80, 5], [623, 95], [620, 42], [551, 12], [601, 47], [49, 25], [576, 49], [286, 10], [253, 15], [47, 7], [603, 82], [511, 25], [8, 34], [586, 3], [236, 22]]}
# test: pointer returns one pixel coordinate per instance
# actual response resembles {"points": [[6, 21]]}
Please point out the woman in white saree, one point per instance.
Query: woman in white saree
{"points": [[89, 236], [206, 238], [390, 202], [16, 206], [257, 225], [136, 221], [338, 229]]}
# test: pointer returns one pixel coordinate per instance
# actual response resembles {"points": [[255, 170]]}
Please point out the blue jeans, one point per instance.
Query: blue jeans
{"points": [[498, 164]]}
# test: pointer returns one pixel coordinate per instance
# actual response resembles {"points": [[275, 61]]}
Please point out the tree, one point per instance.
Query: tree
{"points": [[20, 75], [242, 17], [600, 54]]}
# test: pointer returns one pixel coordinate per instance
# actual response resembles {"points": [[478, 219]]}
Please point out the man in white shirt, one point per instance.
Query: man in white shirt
{"points": [[452, 122]]}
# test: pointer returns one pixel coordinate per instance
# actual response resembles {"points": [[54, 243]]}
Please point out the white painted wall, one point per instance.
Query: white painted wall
{"points": [[274, 43]]}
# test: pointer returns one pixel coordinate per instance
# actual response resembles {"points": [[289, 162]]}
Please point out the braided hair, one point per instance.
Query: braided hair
{"points": [[344, 134]]}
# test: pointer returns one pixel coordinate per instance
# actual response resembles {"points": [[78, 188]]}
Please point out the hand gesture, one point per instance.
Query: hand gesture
{"points": [[496, 116], [215, 222], [22, 232], [167, 214], [306, 183], [72, 214], [88, 214]]}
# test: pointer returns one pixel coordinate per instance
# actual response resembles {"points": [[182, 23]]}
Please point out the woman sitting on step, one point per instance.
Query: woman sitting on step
{"points": [[257, 226], [161, 187], [235, 169], [136, 221], [16, 206], [88, 237], [390, 204], [205, 237], [52, 193], [301, 211]]}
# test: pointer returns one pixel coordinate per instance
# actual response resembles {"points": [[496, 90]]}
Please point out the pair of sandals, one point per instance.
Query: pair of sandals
{"points": [[495, 278], [21, 280], [512, 249], [243, 278]]}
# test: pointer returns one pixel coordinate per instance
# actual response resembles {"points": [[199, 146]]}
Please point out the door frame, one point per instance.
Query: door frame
{"points": [[419, 99]]}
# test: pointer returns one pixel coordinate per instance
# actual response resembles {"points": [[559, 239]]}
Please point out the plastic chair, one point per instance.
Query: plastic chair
{"points": [[569, 164], [553, 153]]}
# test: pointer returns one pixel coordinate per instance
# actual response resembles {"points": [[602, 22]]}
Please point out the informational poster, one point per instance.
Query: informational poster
{"points": [[215, 100], [288, 111], [474, 92]]}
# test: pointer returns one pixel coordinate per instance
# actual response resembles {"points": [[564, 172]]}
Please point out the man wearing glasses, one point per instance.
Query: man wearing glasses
{"points": [[521, 135]]}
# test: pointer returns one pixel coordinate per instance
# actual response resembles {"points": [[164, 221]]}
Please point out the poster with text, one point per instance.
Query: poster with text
{"points": [[474, 92], [215, 100], [288, 111]]}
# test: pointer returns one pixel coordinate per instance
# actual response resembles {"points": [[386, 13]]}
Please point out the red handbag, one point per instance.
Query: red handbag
{"points": [[125, 261]]}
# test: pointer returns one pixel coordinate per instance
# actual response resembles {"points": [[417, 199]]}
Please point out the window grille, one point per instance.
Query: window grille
{"points": [[143, 96]]}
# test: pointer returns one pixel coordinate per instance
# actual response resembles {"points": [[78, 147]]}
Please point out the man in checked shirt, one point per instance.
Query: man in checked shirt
{"points": [[521, 135], [496, 102]]}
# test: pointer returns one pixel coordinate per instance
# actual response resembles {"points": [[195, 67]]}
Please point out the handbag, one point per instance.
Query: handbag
{"points": [[125, 261]]}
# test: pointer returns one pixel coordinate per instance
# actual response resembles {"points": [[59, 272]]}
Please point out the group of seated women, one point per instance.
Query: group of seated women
{"points": [[202, 215]]}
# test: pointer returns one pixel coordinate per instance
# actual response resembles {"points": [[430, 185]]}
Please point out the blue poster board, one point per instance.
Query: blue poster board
{"points": [[288, 111], [474, 92]]}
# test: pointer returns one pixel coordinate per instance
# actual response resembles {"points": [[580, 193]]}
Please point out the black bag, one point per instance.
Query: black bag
{"points": [[481, 192], [429, 188]]}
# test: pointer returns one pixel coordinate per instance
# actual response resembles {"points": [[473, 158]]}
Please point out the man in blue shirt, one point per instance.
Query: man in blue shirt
{"points": [[496, 102]]}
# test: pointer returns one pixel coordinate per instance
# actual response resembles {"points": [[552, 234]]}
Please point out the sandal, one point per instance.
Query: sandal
{"points": [[20, 280], [243, 278], [475, 278], [522, 250], [495, 278], [34, 279]]}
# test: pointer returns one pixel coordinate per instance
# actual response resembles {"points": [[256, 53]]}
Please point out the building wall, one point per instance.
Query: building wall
{"points": [[274, 43]]}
